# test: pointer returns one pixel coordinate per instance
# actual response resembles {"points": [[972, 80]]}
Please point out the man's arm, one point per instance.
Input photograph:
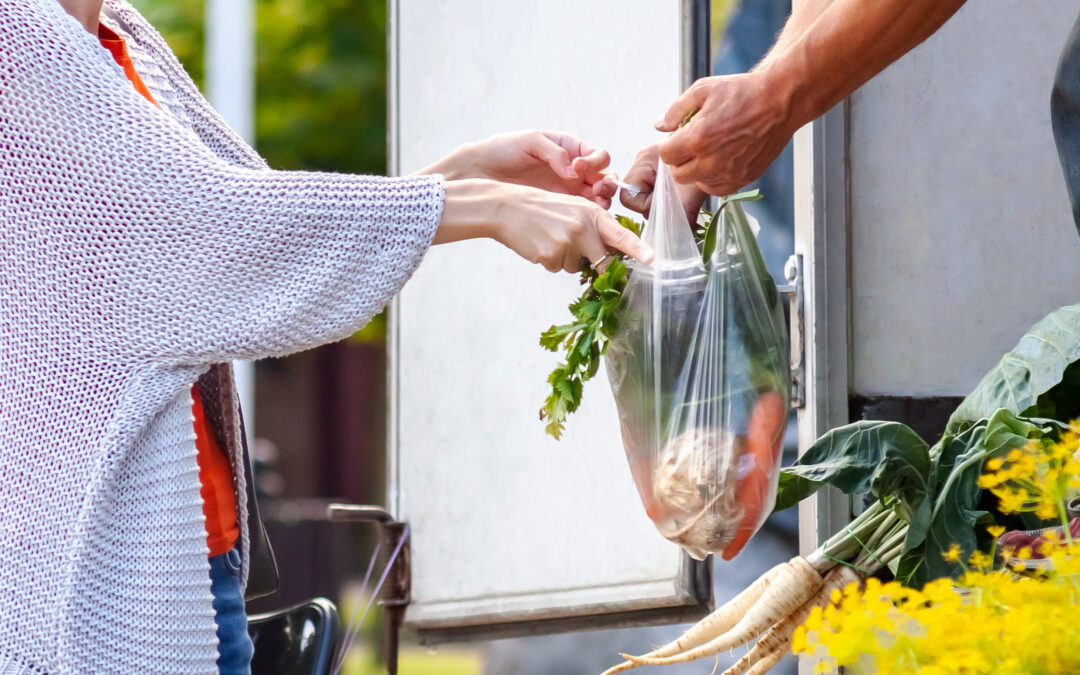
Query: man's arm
{"points": [[826, 51]]}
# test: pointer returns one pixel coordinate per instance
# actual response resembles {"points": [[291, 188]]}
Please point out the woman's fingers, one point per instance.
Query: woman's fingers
{"points": [[601, 192], [554, 154], [590, 241], [591, 167], [621, 239], [551, 229]]}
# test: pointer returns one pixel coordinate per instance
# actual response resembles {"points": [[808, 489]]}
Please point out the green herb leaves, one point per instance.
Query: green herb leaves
{"points": [[584, 340]]}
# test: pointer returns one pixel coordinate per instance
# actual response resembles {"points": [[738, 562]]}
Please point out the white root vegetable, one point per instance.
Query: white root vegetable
{"points": [[763, 666], [719, 621], [795, 583], [775, 643], [688, 483]]}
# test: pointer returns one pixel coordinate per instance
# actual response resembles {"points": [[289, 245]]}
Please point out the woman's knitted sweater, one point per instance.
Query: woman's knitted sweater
{"points": [[138, 247]]}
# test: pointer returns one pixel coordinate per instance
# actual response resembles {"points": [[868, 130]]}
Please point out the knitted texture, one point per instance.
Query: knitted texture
{"points": [[138, 247]]}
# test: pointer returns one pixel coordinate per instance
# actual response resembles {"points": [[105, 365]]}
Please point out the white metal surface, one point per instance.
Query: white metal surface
{"points": [[821, 237], [962, 236], [508, 524], [230, 78]]}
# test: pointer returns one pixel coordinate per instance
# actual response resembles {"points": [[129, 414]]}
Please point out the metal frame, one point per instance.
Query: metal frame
{"points": [[395, 594], [822, 237], [822, 229], [696, 595], [697, 33]]}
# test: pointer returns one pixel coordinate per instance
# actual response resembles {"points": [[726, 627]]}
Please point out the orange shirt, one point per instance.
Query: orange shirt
{"points": [[215, 473]]}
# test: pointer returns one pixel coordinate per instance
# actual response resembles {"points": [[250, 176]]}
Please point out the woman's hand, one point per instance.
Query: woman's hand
{"points": [[554, 230], [549, 160], [642, 175]]}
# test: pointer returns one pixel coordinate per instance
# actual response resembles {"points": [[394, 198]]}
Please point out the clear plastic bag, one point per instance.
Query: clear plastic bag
{"points": [[699, 370]]}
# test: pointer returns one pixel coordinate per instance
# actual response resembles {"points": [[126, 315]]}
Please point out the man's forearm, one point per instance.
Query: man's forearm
{"points": [[803, 16], [829, 48]]}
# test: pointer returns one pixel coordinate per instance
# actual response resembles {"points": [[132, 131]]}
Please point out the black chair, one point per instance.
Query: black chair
{"points": [[298, 640]]}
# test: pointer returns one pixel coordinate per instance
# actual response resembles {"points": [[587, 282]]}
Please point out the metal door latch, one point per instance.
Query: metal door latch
{"points": [[793, 271]]}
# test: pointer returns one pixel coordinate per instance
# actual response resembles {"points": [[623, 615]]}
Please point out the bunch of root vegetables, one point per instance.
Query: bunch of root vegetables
{"points": [[771, 608], [925, 511]]}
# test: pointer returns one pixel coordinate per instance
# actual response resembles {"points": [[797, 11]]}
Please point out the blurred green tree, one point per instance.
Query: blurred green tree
{"points": [[320, 77]]}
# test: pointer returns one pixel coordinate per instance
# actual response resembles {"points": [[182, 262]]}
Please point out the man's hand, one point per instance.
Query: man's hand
{"points": [[643, 175], [827, 50], [741, 124], [549, 160]]}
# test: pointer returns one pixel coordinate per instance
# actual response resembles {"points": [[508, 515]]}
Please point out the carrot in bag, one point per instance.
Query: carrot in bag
{"points": [[764, 434]]}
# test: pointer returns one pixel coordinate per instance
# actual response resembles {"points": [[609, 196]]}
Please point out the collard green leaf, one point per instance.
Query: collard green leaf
{"points": [[904, 474], [708, 244], [956, 516], [1038, 363], [852, 458], [1062, 402]]}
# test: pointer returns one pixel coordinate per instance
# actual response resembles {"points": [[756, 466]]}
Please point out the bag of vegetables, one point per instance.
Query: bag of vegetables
{"points": [[699, 370]]}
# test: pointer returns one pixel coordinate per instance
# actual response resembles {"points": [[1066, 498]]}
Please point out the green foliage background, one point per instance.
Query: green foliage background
{"points": [[320, 81]]}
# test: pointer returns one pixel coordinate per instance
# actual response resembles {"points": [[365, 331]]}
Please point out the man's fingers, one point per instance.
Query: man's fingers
{"points": [[717, 189], [642, 175], [641, 203], [689, 172], [690, 101], [680, 147], [618, 237]]}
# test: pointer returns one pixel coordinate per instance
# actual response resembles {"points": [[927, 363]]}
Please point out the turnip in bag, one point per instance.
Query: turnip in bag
{"points": [[699, 370]]}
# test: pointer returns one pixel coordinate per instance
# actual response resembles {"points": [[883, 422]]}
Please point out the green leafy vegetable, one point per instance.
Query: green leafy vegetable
{"points": [[936, 492], [584, 341], [1038, 362], [708, 235], [853, 459]]}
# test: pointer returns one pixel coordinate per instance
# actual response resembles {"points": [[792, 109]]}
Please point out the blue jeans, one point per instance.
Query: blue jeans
{"points": [[235, 648], [1065, 116]]}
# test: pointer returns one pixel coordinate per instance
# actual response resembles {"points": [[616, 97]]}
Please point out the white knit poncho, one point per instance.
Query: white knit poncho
{"points": [[139, 246]]}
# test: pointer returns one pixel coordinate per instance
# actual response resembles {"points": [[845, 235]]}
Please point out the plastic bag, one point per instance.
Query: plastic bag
{"points": [[699, 370]]}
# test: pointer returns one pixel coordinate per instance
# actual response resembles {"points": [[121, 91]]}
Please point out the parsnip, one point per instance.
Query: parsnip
{"points": [[774, 644], [796, 582], [719, 621]]}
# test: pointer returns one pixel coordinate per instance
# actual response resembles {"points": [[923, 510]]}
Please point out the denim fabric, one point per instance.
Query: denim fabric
{"points": [[1065, 116], [235, 648]]}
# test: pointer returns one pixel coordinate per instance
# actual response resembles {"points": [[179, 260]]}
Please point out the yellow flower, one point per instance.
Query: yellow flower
{"points": [[985, 623], [996, 530], [980, 560], [953, 554]]}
